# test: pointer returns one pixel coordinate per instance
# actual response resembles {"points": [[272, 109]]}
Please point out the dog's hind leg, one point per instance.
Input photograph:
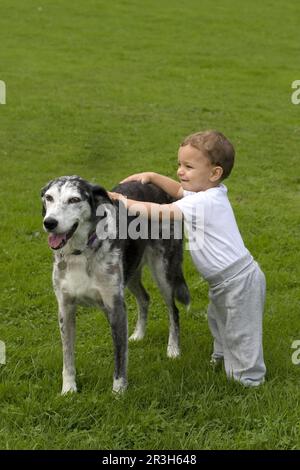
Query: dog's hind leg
{"points": [[142, 297], [156, 258], [67, 321]]}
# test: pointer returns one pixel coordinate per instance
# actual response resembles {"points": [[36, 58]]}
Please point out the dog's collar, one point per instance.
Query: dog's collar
{"points": [[92, 239], [90, 244]]}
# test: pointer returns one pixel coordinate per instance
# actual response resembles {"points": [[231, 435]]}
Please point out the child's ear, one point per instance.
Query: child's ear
{"points": [[216, 173]]}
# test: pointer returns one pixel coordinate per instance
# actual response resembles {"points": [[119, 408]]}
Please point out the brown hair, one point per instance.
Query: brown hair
{"points": [[216, 148]]}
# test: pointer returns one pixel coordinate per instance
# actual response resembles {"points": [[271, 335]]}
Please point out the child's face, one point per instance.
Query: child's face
{"points": [[195, 171]]}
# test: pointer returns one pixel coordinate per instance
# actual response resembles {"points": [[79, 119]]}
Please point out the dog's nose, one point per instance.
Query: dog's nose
{"points": [[50, 223]]}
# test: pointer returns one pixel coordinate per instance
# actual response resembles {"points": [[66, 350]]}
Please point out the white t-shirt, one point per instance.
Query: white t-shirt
{"points": [[214, 238]]}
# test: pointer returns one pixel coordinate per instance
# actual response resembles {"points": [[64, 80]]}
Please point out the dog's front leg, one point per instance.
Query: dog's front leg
{"points": [[117, 318], [67, 321]]}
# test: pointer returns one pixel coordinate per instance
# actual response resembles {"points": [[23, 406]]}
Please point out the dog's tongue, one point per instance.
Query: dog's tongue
{"points": [[55, 240]]}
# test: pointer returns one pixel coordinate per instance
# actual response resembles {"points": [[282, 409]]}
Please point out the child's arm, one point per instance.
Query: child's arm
{"points": [[172, 187], [149, 210]]}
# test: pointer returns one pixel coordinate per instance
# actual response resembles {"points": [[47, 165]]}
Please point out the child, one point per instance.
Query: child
{"points": [[236, 282]]}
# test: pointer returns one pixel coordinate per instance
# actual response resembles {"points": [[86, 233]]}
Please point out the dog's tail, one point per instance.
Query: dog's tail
{"points": [[182, 293]]}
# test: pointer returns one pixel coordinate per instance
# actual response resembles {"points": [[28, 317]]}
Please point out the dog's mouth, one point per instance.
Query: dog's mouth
{"points": [[58, 240]]}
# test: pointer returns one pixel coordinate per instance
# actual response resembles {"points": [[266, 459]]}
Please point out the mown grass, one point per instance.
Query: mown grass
{"points": [[105, 89]]}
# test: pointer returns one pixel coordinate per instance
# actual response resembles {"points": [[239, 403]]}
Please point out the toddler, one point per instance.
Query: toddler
{"points": [[236, 283]]}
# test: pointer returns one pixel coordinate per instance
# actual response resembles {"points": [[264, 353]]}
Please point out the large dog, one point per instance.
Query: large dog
{"points": [[93, 264]]}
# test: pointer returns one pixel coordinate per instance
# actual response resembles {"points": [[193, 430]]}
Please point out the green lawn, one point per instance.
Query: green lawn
{"points": [[104, 89]]}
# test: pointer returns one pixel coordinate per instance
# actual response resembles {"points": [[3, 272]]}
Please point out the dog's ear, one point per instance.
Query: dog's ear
{"points": [[43, 190], [98, 195]]}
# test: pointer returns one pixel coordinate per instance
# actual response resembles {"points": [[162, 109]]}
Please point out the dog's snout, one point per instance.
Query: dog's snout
{"points": [[50, 223]]}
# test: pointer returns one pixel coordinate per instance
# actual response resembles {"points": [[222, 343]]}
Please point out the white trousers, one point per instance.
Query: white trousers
{"points": [[235, 312]]}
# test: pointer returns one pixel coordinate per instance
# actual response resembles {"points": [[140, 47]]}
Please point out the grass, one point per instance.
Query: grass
{"points": [[105, 89]]}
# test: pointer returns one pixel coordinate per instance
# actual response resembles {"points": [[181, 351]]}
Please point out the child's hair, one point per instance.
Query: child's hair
{"points": [[215, 146]]}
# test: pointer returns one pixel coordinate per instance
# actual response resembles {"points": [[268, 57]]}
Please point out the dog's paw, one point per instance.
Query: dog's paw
{"points": [[119, 386], [137, 336], [173, 351], [69, 387]]}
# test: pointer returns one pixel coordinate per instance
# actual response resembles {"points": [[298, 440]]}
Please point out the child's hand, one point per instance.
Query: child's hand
{"points": [[141, 177], [116, 196]]}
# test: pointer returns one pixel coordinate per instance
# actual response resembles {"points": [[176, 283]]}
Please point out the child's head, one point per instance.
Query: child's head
{"points": [[205, 159]]}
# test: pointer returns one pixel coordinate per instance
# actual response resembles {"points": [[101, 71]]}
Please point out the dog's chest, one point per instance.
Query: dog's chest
{"points": [[88, 281]]}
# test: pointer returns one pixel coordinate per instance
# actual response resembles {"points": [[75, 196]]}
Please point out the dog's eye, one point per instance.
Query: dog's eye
{"points": [[74, 200], [49, 198]]}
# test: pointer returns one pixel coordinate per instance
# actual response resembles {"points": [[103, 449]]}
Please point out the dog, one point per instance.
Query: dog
{"points": [[92, 265]]}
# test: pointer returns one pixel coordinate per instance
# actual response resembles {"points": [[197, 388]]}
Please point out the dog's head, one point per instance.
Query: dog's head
{"points": [[69, 202]]}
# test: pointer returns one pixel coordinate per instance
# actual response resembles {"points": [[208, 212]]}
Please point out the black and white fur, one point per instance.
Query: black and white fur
{"points": [[89, 271]]}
